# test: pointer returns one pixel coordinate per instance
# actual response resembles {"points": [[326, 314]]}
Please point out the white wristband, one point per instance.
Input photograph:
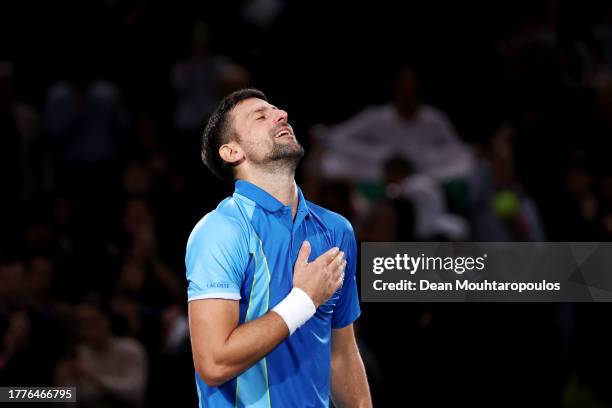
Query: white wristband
{"points": [[295, 309]]}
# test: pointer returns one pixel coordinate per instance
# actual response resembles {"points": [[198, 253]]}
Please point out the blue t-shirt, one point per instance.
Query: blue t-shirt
{"points": [[245, 250]]}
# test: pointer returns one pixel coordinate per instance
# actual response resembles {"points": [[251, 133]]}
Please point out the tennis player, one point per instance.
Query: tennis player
{"points": [[272, 292]]}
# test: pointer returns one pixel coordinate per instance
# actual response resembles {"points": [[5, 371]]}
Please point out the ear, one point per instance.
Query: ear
{"points": [[231, 153]]}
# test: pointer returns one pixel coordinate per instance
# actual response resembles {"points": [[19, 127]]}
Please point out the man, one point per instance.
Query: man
{"points": [[423, 134], [108, 371], [270, 304]]}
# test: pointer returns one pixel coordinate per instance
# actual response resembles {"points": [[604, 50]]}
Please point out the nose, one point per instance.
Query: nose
{"points": [[281, 116]]}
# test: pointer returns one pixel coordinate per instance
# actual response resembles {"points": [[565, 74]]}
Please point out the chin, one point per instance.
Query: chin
{"points": [[294, 151]]}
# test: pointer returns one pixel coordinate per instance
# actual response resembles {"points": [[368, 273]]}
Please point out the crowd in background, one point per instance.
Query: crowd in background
{"points": [[101, 184]]}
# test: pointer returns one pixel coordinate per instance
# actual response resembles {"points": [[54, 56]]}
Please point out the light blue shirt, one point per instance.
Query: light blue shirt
{"points": [[245, 250]]}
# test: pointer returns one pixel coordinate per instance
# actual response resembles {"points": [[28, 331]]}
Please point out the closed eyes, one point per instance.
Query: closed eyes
{"points": [[261, 112]]}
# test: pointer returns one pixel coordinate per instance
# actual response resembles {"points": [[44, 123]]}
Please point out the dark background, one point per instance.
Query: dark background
{"points": [[540, 70]]}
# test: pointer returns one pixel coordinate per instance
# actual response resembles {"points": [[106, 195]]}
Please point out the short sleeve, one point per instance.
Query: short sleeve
{"points": [[216, 258], [347, 310]]}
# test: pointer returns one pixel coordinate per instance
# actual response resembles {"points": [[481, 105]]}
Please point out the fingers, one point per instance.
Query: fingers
{"points": [[340, 280], [339, 268], [339, 275], [304, 253], [336, 263], [333, 264], [329, 256]]}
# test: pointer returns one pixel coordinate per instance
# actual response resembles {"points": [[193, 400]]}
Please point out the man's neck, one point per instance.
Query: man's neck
{"points": [[280, 186]]}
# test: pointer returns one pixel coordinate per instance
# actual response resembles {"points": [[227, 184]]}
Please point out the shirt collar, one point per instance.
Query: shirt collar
{"points": [[264, 199]]}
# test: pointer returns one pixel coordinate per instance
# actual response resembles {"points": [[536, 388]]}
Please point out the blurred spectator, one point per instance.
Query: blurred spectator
{"points": [[18, 143], [41, 285], [174, 356], [603, 33], [108, 371], [175, 330], [85, 118], [144, 283], [20, 128], [137, 180], [32, 338], [63, 214], [201, 80], [136, 252], [151, 181], [431, 218], [387, 221], [86, 123], [338, 195], [501, 210], [421, 133], [581, 202], [262, 13], [126, 301]]}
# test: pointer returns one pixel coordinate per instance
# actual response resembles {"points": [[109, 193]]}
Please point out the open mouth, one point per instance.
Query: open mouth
{"points": [[284, 132]]}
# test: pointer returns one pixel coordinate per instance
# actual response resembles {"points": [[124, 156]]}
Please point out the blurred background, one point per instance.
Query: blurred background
{"points": [[425, 121]]}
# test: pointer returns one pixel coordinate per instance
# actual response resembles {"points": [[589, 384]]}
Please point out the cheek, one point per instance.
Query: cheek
{"points": [[257, 145]]}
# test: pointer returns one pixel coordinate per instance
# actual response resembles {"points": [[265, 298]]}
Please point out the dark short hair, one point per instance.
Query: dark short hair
{"points": [[219, 131]]}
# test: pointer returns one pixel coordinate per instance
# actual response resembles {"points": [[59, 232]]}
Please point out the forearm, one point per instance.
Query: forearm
{"points": [[246, 345], [349, 382]]}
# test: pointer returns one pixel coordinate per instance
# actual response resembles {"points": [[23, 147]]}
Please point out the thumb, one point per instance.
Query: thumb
{"points": [[304, 253]]}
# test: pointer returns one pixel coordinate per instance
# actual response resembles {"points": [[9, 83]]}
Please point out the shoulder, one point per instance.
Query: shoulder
{"points": [[104, 89], [59, 90], [332, 220], [432, 114], [370, 114], [126, 345], [376, 113], [225, 223]]}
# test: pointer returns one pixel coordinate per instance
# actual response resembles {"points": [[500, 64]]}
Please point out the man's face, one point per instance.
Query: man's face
{"points": [[92, 325], [13, 289], [264, 133]]}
